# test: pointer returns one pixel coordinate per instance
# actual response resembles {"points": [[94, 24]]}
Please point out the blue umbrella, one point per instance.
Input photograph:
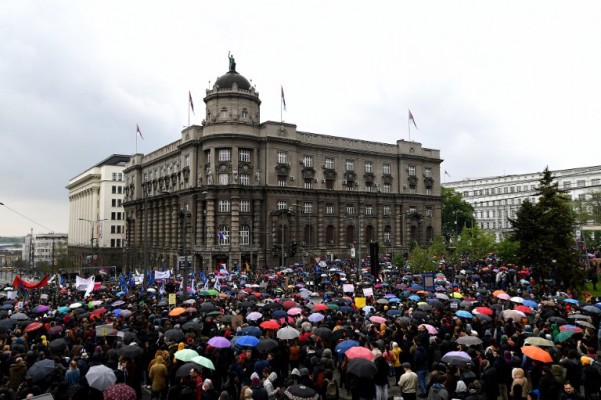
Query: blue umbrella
{"points": [[6, 307], [571, 301], [530, 303], [254, 331], [280, 314], [347, 309], [464, 314], [524, 282], [414, 297], [249, 341], [117, 311], [343, 346], [394, 300], [393, 313]]}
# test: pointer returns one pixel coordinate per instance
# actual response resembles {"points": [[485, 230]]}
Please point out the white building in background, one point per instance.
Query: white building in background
{"points": [[43, 248], [96, 217], [497, 198]]}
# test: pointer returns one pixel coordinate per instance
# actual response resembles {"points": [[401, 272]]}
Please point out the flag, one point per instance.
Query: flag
{"points": [[446, 173], [139, 132], [206, 287], [203, 277], [412, 119], [220, 235], [217, 285], [283, 98], [191, 102]]}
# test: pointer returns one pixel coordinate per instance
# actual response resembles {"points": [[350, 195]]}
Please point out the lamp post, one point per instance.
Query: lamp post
{"points": [[92, 225]]}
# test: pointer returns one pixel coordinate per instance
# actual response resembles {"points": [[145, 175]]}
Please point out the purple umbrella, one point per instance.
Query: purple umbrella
{"points": [[220, 342], [55, 330], [42, 308]]}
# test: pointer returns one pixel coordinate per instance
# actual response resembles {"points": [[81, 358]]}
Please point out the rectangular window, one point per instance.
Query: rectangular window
{"points": [[412, 170], [307, 207], [245, 179], [119, 189], [595, 182], [386, 188], [350, 209], [282, 157], [114, 189], [244, 205], [386, 210], [428, 172], [386, 169], [330, 184], [224, 206], [428, 192], [329, 208], [225, 155], [329, 163], [244, 155], [567, 185], [224, 179], [113, 229], [349, 165], [282, 180], [369, 210], [581, 183], [114, 176], [114, 203], [308, 161], [308, 183], [113, 216], [368, 166], [282, 205], [245, 236], [428, 211], [207, 157], [412, 189]]}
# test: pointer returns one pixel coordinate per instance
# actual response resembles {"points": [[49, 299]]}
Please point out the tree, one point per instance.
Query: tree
{"points": [[456, 213], [507, 250], [426, 259], [476, 242], [545, 232]]}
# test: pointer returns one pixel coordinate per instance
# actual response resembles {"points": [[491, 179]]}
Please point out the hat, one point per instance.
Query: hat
{"points": [[304, 372], [255, 378], [406, 365], [295, 372], [585, 360]]}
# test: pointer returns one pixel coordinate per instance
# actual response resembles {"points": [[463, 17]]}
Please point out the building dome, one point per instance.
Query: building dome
{"points": [[232, 80]]}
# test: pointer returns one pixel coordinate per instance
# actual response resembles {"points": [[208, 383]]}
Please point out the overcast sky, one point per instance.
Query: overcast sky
{"points": [[499, 87]]}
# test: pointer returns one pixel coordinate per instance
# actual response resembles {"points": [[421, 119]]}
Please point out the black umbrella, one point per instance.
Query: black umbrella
{"points": [[272, 306], [247, 304], [558, 320], [324, 333], [192, 326], [41, 370], [300, 392], [7, 324], [184, 370], [266, 345], [419, 315], [362, 368], [207, 307], [174, 335], [163, 302], [57, 345], [404, 320], [131, 351]]}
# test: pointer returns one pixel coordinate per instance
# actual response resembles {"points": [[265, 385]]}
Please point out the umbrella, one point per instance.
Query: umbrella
{"points": [[41, 369], [125, 314], [316, 317], [572, 328], [219, 342], [184, 370], [463, 314], [324, 333], [538, 341], [558, 320], [581, 323], [359, 352], [377, 319], [75, 305], [393, 313], [530, 303], [431, 329], [289, 304], [516, 299], [33, 326], [251, 331], [320, 307], [131, 351], [294, 311], [524, 309], [362, 368], [249, 341], [483, 310], [41, 309], [301, 392], [57, 345], [425, 306], [177, 311], [267, 345], [192, 326], [343, 346], [207, 307], [19, 316], [186, 355], [7, 323], [120, 391], [55, 330], [536, 353], [271, 324], [174, 335], [253, 316], [563, 336], [118, 303], [100, 377], [458, 358], [288, 333], [513, 314], [469, 340], [203, 361], [592, 309]]}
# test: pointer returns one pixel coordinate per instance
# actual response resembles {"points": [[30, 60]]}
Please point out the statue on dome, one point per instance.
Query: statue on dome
{"points": [[232, 62]]}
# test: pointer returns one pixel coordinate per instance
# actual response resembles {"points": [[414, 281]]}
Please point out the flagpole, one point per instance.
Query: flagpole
{"points": [[136, 142], [189, 108], [409, 127]]}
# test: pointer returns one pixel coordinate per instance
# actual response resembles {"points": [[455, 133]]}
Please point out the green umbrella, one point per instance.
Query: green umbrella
{"points": [[563, 336], [212, 292], [185, 355], [214, 313], [205, 362], [203, 293], [333, 306]]}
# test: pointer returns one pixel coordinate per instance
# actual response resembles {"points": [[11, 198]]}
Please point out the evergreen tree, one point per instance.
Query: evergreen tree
{"points": [[456, 213], [545, 232]]}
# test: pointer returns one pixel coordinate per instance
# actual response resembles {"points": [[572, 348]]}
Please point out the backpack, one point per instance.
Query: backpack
{"points": [[332, 390]]}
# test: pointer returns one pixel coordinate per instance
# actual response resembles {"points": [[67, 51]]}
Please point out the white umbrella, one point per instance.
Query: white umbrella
{"points": [[100, 377], [288, 333], [517, 299]]}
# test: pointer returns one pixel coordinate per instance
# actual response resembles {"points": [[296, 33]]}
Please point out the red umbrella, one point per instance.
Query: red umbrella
{"points": [[289, 304], [99, 311], [359, 352], [483, 310], [120, 391], [320, 307], [271, 324], [33, 326], [524, 309]]}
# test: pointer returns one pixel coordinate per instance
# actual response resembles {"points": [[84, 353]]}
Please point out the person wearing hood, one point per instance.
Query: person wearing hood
{"points": [[17, 373], [327, 361], [519, 385], [159, 377], [208, 391], [437, 390], [268, 384], [258, 390], [381, 377]]}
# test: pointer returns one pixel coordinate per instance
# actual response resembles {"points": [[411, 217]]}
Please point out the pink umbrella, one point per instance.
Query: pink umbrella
{"points": [[294, 311], [431, 329], [377, 319], [359, 352]]}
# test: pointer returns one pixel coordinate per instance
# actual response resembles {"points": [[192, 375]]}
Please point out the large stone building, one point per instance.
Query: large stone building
{"points": [[497, 198], [266, 194], [96, 215]]}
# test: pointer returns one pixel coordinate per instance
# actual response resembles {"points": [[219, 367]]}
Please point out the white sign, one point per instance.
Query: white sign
{"points": [[348, 288], [368, 292]]}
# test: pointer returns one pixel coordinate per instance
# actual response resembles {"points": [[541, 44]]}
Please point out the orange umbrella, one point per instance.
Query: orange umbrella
{"points": [[271, 324], [538, 354], [496, 293], [177, 311]]}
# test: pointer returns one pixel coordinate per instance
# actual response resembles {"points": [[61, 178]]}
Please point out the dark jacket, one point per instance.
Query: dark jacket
{"points": [[259, 392], [490, 382], [17, 375], [381, 378]]}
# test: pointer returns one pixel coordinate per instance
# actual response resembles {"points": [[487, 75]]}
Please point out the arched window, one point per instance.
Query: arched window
{"points": [[308, 235], [350, 234], [330, 238], [369, 233]]}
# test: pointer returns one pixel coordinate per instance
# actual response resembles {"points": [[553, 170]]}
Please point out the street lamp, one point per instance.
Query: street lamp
{"points": [[92, 225]]}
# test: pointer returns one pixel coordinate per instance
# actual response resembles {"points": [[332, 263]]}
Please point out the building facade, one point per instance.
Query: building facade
{"points": [[96, 214], [258, 193], [497, 198], [42, 249]]}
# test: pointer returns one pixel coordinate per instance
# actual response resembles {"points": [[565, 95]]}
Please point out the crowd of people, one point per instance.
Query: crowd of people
{"points": [[482, 330]]}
